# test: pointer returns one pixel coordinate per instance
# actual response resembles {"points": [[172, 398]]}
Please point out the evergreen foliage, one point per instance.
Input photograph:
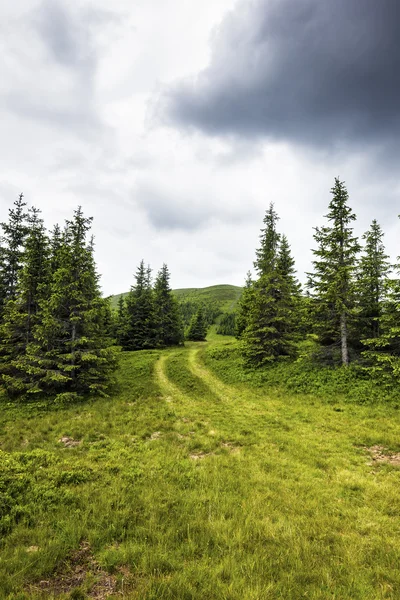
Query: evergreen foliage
{"points": [[22, 314], [168, 320], [141, 328], [149, 317], [13, 237], [333, 280], [372, 275], [268, 307], [227, 325], [55, 337], [197, 331], [383, 350], [244, 306]]}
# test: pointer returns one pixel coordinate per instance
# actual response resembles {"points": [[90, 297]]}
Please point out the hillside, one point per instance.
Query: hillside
{"points": [[225, 295]]}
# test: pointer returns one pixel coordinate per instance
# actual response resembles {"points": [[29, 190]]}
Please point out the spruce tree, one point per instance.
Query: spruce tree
{"points": [[168, 321], [71, 351], [13, 238], [372, 274], [197, 331], [121, 322], [270, 320], [141, 326], [332, 282], [23, 314], [227, 324], [267, 253], [383, 351], [244, 306]]}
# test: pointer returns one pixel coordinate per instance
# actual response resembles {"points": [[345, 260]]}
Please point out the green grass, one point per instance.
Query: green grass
{"points": [[226, 296], [190, 484]]}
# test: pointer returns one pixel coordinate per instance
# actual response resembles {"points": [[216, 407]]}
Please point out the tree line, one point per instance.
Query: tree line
{"points": [[351, 304], [151, 317], [58, 336], [54, 334]]}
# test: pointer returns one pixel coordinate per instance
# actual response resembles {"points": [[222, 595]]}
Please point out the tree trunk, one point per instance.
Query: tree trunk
{"points": [[343, 337]]}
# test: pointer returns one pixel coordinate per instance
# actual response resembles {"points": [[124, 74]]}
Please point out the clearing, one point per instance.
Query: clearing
{"points": [[184, 486]]}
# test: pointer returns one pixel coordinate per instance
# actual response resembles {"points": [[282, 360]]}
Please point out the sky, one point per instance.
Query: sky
{"points": [[175, 124]]}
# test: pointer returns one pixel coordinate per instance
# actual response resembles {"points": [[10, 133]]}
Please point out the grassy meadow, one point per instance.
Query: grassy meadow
{"points": [[197, 481]]}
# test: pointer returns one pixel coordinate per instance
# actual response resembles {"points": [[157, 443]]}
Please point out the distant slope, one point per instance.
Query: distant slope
{"points": [[227, 296]]}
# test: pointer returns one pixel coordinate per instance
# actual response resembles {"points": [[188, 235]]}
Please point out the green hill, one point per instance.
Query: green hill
{"points": [[225, 295]]}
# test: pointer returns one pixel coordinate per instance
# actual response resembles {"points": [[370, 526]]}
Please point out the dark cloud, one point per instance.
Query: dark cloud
{"points": [[319, 72], [192, 210]]}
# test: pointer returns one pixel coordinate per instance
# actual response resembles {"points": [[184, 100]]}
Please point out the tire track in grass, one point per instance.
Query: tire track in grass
{"points": [[169, 390], [220, 389]]}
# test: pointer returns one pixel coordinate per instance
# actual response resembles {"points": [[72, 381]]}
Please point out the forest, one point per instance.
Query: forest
{"points": [[61, 339]]}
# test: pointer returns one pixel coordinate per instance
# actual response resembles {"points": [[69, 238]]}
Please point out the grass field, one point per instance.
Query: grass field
{"points": [[226, 296], [189, 485]]}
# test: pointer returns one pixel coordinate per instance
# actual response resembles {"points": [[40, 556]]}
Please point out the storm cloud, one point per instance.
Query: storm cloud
{"points": [[312, 72]]}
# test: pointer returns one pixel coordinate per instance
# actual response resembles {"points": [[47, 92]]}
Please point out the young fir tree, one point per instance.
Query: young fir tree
{"points": [[383, 351], [244, 306], [270, 330], [227, 325], [141, 327], [372, 274], [23, 314], [332, 281], [167, 315], [121, 322], [197, 331], [15, 231], [71, 352]]}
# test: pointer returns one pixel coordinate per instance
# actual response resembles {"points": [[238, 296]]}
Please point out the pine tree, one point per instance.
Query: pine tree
{"points": [[270, 318], [141, 328], [197, 331], [286, 266], [266, 255], [121, 322], [70, 351], [227, 325], [383, 351], [372, 274], [167, 315], [244, 306], [22, 314], [12, 248], [332, 282]]}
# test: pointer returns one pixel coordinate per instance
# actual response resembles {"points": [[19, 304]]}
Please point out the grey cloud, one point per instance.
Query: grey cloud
{"points": [[315, 72], [190, 211], [165, 214], [66, 38]]}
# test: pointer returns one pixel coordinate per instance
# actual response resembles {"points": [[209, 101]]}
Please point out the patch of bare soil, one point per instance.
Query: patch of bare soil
{"points": [[156, 435], [69, 442], [380, 454], [231, 447], [200, 455], [80, 571]]}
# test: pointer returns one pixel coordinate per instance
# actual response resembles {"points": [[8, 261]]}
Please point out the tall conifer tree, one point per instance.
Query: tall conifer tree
{"points": [[332, 281], [372, 274], [197, 331], [244, 306], [13, 238], [22, 314], [141, 328], [270, 322], [169, 326], [71, 352]]}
